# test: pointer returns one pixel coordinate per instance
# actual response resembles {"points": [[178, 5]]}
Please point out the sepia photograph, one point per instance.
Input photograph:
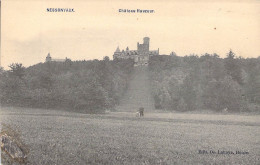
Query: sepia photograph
{"points": [[151, 82]]}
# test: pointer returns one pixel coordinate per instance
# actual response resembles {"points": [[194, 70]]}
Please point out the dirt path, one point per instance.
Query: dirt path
{"points": [[138, 94]]}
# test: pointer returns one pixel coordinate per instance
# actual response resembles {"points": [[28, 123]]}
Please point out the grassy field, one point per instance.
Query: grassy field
{"points": [[59, 137]]}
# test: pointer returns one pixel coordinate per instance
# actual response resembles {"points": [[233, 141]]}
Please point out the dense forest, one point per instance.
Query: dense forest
{"points": [[87, 86], [177, 83], [207, 82]]}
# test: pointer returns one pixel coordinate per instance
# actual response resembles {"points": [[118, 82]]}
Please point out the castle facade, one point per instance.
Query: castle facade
{"points": [[141, 55]]}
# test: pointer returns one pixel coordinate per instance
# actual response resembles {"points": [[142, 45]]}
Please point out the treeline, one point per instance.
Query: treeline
{"points": [[87, 86], [205, 82]]}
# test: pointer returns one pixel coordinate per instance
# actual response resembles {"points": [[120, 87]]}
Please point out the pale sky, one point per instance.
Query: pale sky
{"points": [[96, 28]]}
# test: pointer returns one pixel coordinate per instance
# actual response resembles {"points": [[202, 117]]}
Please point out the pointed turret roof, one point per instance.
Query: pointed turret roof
{"points": [[117, 49]]}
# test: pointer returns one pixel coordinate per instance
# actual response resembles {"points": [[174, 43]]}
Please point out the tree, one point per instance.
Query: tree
{"points": [[253, 87], [106, 58], [17, 69], [233, 68], [225, 93], [188, 93]]}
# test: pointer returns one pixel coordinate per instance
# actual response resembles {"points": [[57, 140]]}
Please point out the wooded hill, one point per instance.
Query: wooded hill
{"points": [[177, 83], [86, 86], [206, 82]]}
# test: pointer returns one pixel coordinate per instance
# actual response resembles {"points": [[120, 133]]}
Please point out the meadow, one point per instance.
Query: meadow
{"points": [[62, 137]]}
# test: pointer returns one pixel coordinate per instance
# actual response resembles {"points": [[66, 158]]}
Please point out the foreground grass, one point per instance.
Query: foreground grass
{"points": [[55, 137]]}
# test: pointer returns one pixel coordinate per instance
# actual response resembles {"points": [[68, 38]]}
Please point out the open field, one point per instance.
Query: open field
{"points": [[59, 137]]}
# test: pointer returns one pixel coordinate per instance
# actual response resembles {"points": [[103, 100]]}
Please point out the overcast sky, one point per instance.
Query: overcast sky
{"points": [[96, 28]]}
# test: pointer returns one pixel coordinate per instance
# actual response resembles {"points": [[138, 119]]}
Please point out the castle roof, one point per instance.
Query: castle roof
{"points": [[59, 60], [117, 49]]}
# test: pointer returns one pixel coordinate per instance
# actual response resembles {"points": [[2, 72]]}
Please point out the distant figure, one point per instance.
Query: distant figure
{"points": [[141, 111], [225, 110], [137, 114]]}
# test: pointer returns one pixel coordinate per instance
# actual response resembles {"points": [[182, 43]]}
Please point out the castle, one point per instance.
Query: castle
{"points": [[49, 58], [140, 56]]}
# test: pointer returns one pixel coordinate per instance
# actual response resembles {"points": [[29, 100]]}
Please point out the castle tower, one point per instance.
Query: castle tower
{"points": [[117, 53], [143, 49], [146, 44], [48, 58], [146, 40], [117, 49]]}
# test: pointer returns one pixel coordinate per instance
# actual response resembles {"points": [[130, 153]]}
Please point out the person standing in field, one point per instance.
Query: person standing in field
{"points": [[141, 111]]}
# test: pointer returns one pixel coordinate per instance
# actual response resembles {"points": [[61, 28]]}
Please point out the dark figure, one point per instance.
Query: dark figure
{"points": [[141, 111]]}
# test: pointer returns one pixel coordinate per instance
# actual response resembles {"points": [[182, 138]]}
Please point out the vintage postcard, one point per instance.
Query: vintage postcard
{"points": [[130, 82]]}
